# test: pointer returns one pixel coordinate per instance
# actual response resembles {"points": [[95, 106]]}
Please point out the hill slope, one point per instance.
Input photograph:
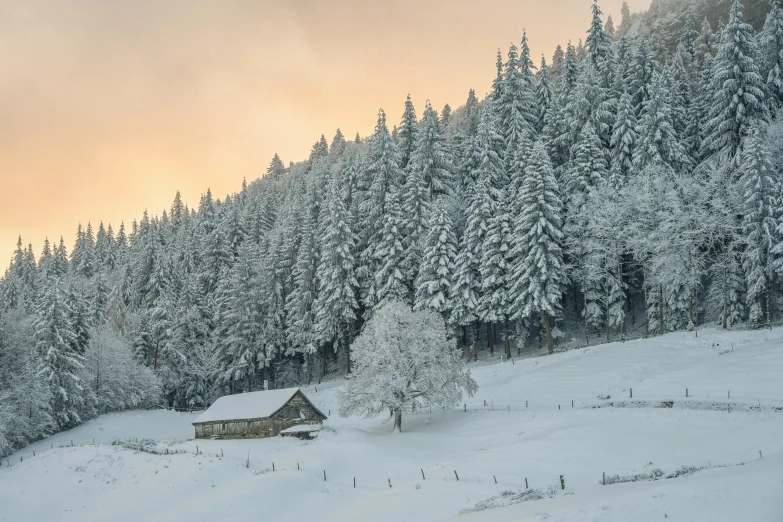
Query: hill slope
{"points": [[663, 23], [527, 432]]}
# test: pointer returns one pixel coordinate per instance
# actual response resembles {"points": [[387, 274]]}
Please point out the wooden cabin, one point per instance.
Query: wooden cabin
{"points": [[256, 415]]}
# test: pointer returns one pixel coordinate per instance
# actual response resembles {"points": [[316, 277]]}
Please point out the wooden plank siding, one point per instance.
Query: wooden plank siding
{"points": [[298, 410]]}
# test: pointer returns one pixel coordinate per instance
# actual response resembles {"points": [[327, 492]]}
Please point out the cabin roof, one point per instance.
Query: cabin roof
{"points": [[252, 405]]}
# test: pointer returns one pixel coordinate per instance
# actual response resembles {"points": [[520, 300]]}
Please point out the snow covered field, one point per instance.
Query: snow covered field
{"points": [[528, 431]]}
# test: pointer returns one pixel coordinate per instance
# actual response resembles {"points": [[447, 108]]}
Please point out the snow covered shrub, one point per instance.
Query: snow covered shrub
{"points": [[404, 359]]}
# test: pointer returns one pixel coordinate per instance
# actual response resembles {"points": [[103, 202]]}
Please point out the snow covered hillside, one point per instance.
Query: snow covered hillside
{"points": [[464, 465]]}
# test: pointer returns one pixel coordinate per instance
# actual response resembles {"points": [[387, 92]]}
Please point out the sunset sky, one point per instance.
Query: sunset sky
{"points": [[110, 107]]}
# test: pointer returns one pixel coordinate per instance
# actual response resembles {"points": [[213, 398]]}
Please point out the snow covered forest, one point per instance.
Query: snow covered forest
{"points": [[618, 187]]}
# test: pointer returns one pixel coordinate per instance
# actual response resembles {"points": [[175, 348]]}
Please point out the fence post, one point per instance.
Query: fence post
{"points": [[686, 392], [273, 466], [389, 482], [354, 482], [455, 474], [526, 486], [422, 474], [297, 466], [572, 403], [496, 479], [760, 457], [324, 475], [604, 479], [562, 482]]}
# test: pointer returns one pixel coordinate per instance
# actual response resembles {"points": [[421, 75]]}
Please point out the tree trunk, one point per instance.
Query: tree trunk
{"points": [[587, 328], [397, 420], [348, 359], [506, 340], [155, 363], [465, 335], [690, 309], [769, 302], [548, 329], [474, 337], [490, 340], [646, 314], [660, 308]]}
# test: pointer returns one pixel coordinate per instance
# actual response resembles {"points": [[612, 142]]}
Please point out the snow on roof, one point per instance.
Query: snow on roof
{"points": [[243, 406]]}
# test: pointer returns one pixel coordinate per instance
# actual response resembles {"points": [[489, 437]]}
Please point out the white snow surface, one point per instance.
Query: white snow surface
{"points": [[508, 441], [244, 406]]}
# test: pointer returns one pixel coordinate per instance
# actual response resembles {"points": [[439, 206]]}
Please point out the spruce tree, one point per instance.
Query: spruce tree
{"points": [[494, 261], [389, 254], [431, 158], [772, 50], [276, 168], [624, 138], [758, 223], [659, 143], [625, 21], [60, 363], [737, 89], [336, 305], [588, 167], [544, 95], [407, 133], [598, 42], [515, 105], [436, 272], [539, 273]]}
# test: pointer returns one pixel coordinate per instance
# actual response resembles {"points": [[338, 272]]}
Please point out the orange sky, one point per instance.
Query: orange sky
{"points": [[109, 107]]}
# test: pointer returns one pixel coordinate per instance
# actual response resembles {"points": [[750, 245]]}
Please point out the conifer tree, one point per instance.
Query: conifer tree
{"points": [[338, 143], [445, 116], [515, 105], [737, 89], [624, 138], [60, 363], [544, 95], [706, 44], [771, 40], [609, 27], [276, 168], [588, 168], [336, 305], [558, 62], [431, 158], [625, 21], [389, 254], [758, 223], [384, 176], [598, 42], [407, 133], [436, 271], [539, 273], [659, 143], [494, 261], [415, 203], [300, 314]]}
